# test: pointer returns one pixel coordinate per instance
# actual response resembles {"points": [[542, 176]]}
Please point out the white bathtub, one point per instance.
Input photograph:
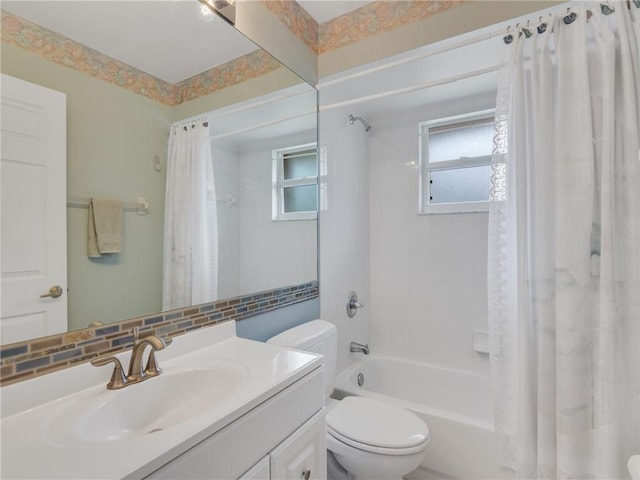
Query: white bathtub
{"points": [[456, 406]]}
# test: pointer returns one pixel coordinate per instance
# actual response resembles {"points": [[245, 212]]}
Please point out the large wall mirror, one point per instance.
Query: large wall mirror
{"points": [[258, 113]]}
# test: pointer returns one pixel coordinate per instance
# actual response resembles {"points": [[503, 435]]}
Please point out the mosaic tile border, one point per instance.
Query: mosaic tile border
{"points": [[64, 51], [24, 360]]}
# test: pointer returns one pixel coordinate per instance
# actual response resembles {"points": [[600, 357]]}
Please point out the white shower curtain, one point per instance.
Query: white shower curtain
{"points": [[564, 248], [190, 262]]}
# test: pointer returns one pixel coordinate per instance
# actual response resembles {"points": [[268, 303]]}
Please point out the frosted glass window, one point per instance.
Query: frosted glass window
{"points": [[458, 185], [453, 143], [299, 165], [301, 199], [455, 159], [295, 183]]}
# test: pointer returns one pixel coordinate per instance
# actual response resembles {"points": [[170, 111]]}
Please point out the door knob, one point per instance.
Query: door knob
{"points": [[54, 292]]}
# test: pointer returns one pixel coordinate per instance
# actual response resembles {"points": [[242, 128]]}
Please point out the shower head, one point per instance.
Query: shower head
{"points": [[366, 125]]}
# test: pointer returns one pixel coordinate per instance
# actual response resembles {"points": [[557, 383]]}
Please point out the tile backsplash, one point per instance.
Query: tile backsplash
{"points": [[23, 360]]}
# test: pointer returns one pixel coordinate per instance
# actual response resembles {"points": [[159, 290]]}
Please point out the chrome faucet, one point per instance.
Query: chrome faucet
{"points": [[136, 372], [358, 347]]}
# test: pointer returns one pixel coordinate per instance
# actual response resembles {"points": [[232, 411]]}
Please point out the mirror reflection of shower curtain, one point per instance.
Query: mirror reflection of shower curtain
{"points": [[190, 258]]}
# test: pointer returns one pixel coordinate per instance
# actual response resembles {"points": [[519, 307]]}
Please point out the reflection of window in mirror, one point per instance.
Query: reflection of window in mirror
{"points": [[295, 182]]}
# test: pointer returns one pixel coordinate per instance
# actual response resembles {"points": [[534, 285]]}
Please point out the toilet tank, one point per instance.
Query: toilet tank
{"points": [[316, 336]]}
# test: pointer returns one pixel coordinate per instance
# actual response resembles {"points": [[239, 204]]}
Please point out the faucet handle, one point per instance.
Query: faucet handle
{"points": [[118, 378], [152, 369]]}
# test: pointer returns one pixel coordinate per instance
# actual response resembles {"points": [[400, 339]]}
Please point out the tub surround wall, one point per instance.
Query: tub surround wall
{"points": [[227, 180], [258, 251], [344, 227], [23, 360], [269, 248], [428, 272]]}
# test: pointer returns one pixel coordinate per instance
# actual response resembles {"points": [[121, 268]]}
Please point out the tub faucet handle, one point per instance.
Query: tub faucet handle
{"points": [[353, 304]]}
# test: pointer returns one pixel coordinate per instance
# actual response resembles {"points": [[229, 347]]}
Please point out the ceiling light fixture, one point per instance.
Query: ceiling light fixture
{"points": [[225, 9]]}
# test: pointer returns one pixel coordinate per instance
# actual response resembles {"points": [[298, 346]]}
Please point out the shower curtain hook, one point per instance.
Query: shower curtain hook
{"points": [[606, 9], [570, 17], [508, 38], [542, 27]]}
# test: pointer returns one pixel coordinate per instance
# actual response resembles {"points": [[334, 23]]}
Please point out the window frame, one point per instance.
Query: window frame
{"points": [[279, 183], [426, 167]]}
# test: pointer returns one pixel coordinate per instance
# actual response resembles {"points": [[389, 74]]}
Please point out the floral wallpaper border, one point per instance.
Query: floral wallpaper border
{"points": [[297, 20], [371, 19], [368, 20], [64, 51]]}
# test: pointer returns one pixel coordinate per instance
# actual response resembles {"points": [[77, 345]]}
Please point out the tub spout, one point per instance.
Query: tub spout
{"points": [[358, 347]]}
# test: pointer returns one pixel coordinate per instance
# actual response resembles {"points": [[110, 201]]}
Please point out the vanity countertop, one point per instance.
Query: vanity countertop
{"points": [[40, 438]]}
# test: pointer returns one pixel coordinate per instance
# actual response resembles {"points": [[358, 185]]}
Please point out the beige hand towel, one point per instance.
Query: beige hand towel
{"points": [[104, 231]]}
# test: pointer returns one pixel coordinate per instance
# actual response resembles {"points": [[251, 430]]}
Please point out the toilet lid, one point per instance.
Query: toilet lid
{"points": [[372, 423]]}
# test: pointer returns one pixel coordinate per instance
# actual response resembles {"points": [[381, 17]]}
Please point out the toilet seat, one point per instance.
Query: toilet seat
{"points": [[377, 427]]}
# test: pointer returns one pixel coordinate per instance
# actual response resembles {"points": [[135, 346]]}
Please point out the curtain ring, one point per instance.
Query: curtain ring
{"points": [[508, 38], [606, 9], [570, 18]]}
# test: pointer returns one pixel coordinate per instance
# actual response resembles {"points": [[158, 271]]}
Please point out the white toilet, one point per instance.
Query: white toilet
{"points": [[368, 438]]}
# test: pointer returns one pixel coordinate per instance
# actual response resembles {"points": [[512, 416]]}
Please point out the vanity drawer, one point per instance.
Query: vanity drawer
{"points": [[234, 449]]}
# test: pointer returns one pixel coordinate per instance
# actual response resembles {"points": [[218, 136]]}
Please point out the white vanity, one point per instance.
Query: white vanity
{"points": [[223, 408]]}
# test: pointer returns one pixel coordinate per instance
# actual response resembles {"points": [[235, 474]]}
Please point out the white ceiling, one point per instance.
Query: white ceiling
{"points": [[166, 39]]}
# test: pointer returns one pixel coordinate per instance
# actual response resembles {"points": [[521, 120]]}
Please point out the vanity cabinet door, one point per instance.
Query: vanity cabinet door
{"points": [[260, 471], [303, 455]]}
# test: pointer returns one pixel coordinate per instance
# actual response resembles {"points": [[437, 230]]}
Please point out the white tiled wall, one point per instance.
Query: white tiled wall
{"points": [[428, 272], [424, 276], [257, 253], [272, 253], [344, 227], [226, 172]]}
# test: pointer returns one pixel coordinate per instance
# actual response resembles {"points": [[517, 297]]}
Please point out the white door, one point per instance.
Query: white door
{"points": [[33, 230]]}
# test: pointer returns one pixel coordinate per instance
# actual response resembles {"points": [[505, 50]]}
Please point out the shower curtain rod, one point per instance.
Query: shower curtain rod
{"points": [[260, 125], [422, 86], [499, 32], [414, 58]]}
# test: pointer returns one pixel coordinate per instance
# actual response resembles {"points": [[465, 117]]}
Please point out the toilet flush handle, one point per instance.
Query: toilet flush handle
{"points": [[306, 474]]}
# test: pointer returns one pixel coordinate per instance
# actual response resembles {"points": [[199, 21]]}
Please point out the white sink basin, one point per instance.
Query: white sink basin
{"points": [[67, 425], [144, 408]]}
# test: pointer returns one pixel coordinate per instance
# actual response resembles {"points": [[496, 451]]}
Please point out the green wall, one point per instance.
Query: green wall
{"points": [[113, 135], [112, 138]]}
